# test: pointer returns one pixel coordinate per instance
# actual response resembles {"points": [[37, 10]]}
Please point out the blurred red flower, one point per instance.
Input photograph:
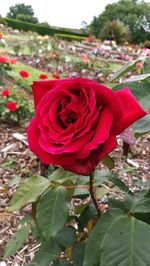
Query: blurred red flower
{"points": [[85, 59], [12, 61], [23, 74], [43, 76], [5, 92], [89, 39], [55, 76], [4, 59], [7, 59], [12, 106], [140, 65], [148, 53]]}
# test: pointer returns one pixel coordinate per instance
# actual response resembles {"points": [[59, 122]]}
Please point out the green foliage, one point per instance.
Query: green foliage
{"points": [[143, 125], [4, 67], [66, 237], [24, 109], [48, 252], [69, 37], [124, 69], [117, 30], [147, 44], [25, 26], [116, 239], [138, 77], [22, 12], [137, 204], [146, 68], [28, 192], [119, 183], [16, 241], [62, 262], [139, 89], [108, 161], [52, 211], [78, 254], [134, 14], [2, 21]]}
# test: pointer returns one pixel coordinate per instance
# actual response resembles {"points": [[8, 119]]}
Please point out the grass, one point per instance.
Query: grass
{"points": [[25, 82]]}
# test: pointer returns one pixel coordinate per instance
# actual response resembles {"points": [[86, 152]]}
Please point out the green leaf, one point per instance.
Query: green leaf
{"points": [[66, 237], [118, 239], [139, 89], [60, 175], [127, 67], [95, 240], [138, 77], [146, 67], [100, 176], [28, 192], [142, 125], [46, 254], [101, 192], [26, 220], [108, 161], [79, 209], [15, 180], [16, 241], [119, 183], [62, 262], [83, 192], [69, 185], [145, 102], [137, 204], [88, 214], [37, 234], [78, 254], [144, 217], [52, 211], [118, 204]]}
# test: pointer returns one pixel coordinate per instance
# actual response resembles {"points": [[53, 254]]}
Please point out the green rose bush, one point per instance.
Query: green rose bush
{"points": [[75, 127]]}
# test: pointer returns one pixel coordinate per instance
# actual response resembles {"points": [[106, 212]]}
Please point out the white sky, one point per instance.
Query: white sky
{"points": [[63, 13]]}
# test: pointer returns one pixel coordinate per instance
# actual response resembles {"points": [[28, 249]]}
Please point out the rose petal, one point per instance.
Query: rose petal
{"points": [[101, 133], [33, 140], [132, 111], [40, 88], [87, 165]]}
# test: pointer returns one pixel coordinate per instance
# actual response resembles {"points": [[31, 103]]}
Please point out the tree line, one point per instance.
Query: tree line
{"points": [[125, 20]]}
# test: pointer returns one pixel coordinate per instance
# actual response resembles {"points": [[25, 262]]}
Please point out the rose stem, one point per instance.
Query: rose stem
{"points": [[42, 169], [126, 149], [42, 172], [91, 190]]}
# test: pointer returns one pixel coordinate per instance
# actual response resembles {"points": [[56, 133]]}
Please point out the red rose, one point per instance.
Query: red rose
{"points": [[55, 76], [148, 53], [23, 74], [4, 59], [43, 76], [140, 65], [5, 93], [12, 106], [76, 122], [12, 61]]}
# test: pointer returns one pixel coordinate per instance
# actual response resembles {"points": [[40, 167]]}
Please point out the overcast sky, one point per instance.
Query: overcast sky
{"points": [[65, 13]]}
